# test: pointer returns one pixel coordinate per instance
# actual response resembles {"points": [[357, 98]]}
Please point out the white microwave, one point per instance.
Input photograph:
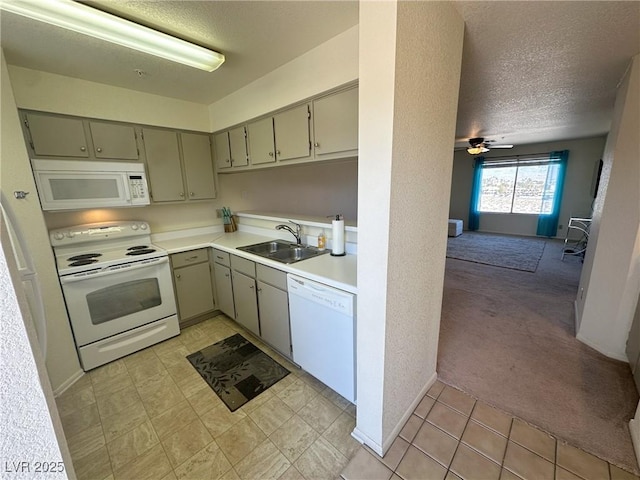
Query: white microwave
{"points": [[80, 184]]}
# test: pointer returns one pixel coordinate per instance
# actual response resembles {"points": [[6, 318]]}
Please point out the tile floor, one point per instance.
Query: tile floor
{"points": [[452, 436], [151, 416]]}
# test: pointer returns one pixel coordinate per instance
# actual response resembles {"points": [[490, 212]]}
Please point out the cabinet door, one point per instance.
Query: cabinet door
{"points": [[244, 296], [274, 317], [163, 162], [224, 289], [238, 147], [335, 123], [114, 141], [260, 141], [57, 136], [198, 166], [292, 133], [193, 290], [221, 148]]}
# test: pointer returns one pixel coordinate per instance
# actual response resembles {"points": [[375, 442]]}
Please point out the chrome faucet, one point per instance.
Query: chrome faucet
{"points": [[297, 233]]}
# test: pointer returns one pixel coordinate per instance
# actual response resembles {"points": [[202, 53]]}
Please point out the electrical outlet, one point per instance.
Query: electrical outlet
{"points": [[560, 227]]}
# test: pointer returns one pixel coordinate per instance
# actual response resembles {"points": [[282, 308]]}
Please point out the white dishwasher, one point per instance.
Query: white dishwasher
{"points": [[323, 333]]}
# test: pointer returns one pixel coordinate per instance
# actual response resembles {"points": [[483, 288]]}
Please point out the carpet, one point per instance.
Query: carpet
{"points": [[237, 370], [503, 251], [507, 337]]}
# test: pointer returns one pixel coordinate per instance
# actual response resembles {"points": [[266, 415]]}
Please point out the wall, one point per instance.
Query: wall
{"points": [[576, 199], [408, 105], [48, 92], [329, 65], [31, 427], [15, 174], [310, 189], [610, 279]]}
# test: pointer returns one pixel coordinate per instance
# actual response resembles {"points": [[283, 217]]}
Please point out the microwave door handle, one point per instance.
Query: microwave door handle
{"points": [[112, 271], [127, 188]]}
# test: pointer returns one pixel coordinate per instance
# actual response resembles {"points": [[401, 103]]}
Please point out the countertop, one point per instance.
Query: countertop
{"points": [[337, 272]]}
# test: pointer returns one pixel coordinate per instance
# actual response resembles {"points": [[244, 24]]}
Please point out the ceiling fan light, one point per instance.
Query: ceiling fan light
{"points": [[98, 24], [477, 150]]}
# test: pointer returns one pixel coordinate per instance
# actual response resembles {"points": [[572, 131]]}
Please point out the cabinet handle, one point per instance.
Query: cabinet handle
{"points": [[277, 152], [226, 275], [317, 145], [178, 276], [191, 194], [271, 154], [219, 257], [99, 149], [251, 287], [182, 194], [195, 257], [83, 149]]}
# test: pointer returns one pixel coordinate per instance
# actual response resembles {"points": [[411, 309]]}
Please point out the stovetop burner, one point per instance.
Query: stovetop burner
{"points": [[85, 256], [141, 251], [85, 261], [138, 247]]}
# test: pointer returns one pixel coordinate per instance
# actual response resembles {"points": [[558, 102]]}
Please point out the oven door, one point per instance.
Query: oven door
{"points": [[118, 299]]}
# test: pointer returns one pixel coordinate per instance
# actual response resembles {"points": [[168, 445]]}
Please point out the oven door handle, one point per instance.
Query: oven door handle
{"points": [[78, 277]]}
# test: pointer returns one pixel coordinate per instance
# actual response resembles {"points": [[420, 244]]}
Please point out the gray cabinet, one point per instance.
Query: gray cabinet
{"points": [[231, 148], [244, 293], [113, 141], [284, 136], [292, 134], [335, 124], [224, 287], [193, 284], [198, 166], [55, 136], [72, 137], [179, 165], [260, 141], [273, 307]]}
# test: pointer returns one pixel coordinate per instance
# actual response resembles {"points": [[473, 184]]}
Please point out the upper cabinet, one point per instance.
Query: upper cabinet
{"points": [[51, 135], [111, 141], [231, 148], [335, 124], [324, 128], [285, 136], [179, 165]]}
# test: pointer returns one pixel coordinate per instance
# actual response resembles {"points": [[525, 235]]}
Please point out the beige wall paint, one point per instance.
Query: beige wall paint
{"points": [[576, 199], [408, 102], [15, 174], [308, 189], [610, 280], [329, 65], [48, 92]]}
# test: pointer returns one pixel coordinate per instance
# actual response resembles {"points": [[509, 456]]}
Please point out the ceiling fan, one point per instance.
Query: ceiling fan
{"points": [[479, 145]]}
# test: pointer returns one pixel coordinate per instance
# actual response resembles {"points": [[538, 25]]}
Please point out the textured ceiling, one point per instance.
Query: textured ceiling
{"points": [[532, 71]]}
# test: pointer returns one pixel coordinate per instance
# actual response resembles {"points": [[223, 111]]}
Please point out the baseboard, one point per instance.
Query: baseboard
{"points": [[615, 355], [634, 428], [68, 383], [386, 443]]}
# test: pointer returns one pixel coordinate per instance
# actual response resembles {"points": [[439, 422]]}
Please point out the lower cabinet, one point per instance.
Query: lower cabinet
{"points": [[193, 284], [224, 288], [257, 296], [273, 304]]}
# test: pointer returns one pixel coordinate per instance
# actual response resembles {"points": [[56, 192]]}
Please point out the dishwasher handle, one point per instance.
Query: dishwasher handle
{"points": [[321, 294]]}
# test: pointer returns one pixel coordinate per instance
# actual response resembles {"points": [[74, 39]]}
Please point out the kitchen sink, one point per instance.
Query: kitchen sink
{"points": [[281, 251]]}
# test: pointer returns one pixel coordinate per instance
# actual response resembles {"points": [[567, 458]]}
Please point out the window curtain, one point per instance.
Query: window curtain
{"points": [[548, 223], [476, 188]]}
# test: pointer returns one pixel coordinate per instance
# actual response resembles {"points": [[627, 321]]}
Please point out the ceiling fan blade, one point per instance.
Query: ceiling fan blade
{"points": [[499, 146]]}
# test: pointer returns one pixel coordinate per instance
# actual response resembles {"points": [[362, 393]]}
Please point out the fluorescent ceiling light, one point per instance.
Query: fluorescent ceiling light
{"points": [[90, 21]]}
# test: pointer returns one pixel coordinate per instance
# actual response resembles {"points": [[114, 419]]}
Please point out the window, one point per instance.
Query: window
{"points": [[518, 186]]}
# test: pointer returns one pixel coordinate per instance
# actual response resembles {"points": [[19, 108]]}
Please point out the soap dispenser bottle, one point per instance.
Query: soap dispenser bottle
{"points": [[322, 241]]}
